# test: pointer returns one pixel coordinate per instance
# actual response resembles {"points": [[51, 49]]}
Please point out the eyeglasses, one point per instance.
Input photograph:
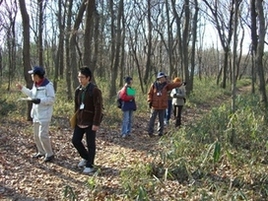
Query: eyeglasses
{"points": [[81, 77]]}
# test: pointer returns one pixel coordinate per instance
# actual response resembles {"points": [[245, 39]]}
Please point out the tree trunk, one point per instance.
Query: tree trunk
{"points": [[185, 39], [26, 50], [73, 44], [148, 65], [193, 64], [89, 27], [260, 50], [40, 32], [67, 50]]}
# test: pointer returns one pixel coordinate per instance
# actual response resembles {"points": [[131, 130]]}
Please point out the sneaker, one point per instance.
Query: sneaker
{"points": [[38, 155], [124, 136], [49, 158], [82, 163], [88, 170]]}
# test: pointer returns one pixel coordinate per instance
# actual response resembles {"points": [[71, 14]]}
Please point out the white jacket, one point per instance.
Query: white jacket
{"points": [[178, 94], [41, 112]]}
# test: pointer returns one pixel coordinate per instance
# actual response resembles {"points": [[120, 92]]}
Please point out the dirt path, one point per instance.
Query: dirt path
{"points": [[26, 179]]}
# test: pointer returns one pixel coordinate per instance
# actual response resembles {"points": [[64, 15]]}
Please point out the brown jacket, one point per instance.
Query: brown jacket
{"points": [[159, 97], [92, 112]]}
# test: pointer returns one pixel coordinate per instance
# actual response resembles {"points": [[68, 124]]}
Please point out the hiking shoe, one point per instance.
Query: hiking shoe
{"points": [[49, 158], [88, 170], [82, 163], [150, 134], [38, 155], [124, 136]]}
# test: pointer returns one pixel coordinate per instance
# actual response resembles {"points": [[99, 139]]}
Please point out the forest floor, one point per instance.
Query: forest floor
{"points": [[23, 178]]}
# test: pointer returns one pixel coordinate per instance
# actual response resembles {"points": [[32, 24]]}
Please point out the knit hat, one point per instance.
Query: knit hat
{"points": [[177, 79], [160, 74], [128, 79]]}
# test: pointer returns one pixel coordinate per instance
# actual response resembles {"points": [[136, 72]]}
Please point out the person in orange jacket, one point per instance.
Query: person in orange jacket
{"points": [[158, 101]]}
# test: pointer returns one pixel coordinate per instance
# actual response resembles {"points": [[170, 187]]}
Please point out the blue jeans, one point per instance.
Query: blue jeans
{"points": [[127, 122], [168, 111]]}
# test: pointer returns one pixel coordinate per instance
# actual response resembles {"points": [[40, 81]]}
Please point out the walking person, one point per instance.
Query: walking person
{"points": [[178, 100], [127, 95], [42, 95], [88, 104], [158, 101]]}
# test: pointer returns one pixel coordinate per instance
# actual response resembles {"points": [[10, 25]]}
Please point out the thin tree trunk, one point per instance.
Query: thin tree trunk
{"points": [[26, 50]]}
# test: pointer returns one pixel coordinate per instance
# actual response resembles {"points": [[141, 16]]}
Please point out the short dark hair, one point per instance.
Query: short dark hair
{"points": [[86, 71]]}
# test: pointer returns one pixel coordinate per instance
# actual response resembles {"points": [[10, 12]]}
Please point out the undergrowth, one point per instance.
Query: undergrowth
{"points": [[222, 156]]}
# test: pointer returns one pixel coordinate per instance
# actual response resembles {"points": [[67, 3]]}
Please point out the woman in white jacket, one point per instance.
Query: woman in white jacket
{"points": [[42, 95], [178, 100]]}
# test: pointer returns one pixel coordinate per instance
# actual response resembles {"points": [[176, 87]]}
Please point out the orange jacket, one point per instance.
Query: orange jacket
{"points": [[158, 94]]}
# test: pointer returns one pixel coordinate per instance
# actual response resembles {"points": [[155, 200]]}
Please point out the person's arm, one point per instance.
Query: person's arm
{"points": [[173, 85], [26, 91], [150, 95], [97, 103]]}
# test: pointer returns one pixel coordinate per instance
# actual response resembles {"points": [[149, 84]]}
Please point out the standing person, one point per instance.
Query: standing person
{"points": [[158, 101], [178, 100], [42, 95], [89, 114], [127, 95], [169, 108]]}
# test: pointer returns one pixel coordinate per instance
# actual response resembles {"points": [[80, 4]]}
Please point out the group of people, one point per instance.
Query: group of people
{"points": [[88, 106], [163, 97]]}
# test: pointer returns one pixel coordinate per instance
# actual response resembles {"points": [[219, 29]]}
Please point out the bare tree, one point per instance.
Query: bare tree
{"points": [[60, 48], [88, 40], [26, 49], [224, 27], [73, 61], [9, 26], [260, 50], [190, 83]]}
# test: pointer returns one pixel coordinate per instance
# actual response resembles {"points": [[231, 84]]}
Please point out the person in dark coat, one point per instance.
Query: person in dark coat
{"points": [[89, 115]]}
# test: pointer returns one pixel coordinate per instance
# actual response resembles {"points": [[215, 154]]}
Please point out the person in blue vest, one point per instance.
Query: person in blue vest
{"points": [[127, 95], [42, 95]]}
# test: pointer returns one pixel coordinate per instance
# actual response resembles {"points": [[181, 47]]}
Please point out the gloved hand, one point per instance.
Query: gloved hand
{"points": [[36, 100], [150, 104]]}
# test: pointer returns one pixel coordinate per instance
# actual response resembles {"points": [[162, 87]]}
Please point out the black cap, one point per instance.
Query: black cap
{"points": [[37, 70], [128, 79]]}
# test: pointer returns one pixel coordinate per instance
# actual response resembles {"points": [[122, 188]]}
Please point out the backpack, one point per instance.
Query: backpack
{"points": [[119, 101]]}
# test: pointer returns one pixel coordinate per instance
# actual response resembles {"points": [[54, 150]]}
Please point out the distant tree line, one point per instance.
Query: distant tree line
{"points": [[138, 38]]}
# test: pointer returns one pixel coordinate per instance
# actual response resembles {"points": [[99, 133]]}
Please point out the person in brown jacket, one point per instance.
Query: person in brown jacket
{"points": [[88, 103], [158, 101]]}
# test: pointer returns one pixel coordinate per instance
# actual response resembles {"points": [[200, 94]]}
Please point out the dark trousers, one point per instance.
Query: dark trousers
{"points": [[177, 114], [88, 154], [154, 114]]}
